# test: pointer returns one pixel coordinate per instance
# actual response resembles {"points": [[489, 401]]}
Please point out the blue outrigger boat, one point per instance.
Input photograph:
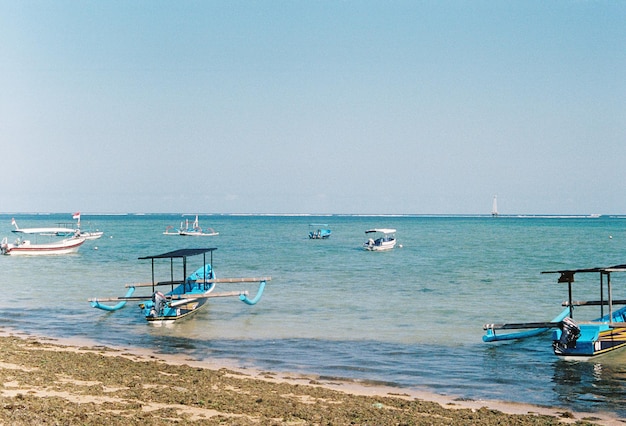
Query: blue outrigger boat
{"points": [[186, 296], [571, 339]]}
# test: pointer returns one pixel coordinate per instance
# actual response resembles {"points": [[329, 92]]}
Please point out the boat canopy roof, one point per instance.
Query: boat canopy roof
{"points": [[180, 253], [383, 230], [568, 274], [43, 230]]}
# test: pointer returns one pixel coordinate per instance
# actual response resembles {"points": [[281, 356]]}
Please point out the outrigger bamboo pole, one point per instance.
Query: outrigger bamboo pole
{"points": [[213, 280], [594, 303], [176, 297]]}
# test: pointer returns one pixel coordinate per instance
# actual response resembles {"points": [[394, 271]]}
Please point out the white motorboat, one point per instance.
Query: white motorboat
{"points": [[26, 247], [380, 239]]}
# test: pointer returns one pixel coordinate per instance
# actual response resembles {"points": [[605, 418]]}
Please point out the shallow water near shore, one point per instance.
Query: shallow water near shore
{"points": [[411, 317]]}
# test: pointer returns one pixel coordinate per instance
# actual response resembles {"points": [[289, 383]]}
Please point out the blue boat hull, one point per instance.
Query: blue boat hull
{"points": [[184, 299], [492, 336], [595, 338]]}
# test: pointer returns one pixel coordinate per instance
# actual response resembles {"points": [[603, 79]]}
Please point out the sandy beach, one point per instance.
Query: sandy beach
{"points": [[51, 382]]}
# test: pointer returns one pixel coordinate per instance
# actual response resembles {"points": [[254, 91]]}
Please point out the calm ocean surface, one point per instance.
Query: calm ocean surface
{"points": [[411, 317]]}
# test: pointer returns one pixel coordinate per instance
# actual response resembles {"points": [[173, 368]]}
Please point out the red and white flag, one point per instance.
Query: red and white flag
{"points": [[13, 221], [76, 216]]}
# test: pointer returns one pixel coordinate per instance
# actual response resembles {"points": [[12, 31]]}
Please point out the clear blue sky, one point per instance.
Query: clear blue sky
{"points": [[382, 107]]}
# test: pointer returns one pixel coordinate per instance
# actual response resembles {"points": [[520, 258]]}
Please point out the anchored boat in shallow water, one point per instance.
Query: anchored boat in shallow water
{"points": [[30, 241], [192, 230], [319, 231], [185, 296], [380, 239], [572, 339], [27, 247]]}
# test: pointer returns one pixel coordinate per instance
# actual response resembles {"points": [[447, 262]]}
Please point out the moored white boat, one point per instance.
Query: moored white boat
{"points": [[193, 230], [380, 239], [63, 230], [52, 231], [91, 235], [26, 247]]}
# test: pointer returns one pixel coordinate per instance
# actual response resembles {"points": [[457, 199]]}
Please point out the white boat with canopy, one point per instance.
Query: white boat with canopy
{"points": [[52, 231], [380, 239], [63, 230]]}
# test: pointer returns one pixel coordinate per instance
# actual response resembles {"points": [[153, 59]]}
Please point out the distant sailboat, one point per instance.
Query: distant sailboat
{"points": [[494, 208]]}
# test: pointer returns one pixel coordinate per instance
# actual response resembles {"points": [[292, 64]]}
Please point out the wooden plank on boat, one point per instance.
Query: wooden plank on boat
{"points": [[118, 299], [175, 297], [520, 325], [209, 295], [593, 302], [190, 299], [213, 280], [155, 284], [617, 324], [236, 280]]}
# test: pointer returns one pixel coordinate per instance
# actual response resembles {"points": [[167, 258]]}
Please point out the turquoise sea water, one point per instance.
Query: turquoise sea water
{"points": [[411, 317]]}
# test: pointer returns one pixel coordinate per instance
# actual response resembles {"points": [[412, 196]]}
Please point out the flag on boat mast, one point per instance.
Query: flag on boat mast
{"points": [[76, 215]]}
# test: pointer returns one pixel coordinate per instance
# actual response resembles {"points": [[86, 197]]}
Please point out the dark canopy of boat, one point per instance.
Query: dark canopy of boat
{"points": [[180, 253], [567, 275]]}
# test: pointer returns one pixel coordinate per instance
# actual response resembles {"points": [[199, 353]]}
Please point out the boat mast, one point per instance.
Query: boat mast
{"points": [[608, 286]]}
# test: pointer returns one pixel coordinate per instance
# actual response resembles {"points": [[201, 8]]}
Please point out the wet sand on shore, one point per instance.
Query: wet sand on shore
{"points": [[47, 381]]}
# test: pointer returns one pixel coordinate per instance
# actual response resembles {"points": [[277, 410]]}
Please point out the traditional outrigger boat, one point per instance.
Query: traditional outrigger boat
{"points": [[192, 230], [186, 296], [380, 239], [583, 339], [63, 230]]}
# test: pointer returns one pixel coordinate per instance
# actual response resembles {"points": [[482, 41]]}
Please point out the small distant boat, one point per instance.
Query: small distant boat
{"points": [[319, 233], [26, 247], [494, 207], [91, 235], [571, 339], [192, 230], [186, 295], [381, 239]]}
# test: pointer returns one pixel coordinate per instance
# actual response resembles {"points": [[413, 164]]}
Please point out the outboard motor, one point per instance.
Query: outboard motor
{"points": [[158, 302], [570, 332]]}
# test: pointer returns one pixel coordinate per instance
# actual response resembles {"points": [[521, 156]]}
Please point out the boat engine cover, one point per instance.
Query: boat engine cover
{"points": [[570, 332]]}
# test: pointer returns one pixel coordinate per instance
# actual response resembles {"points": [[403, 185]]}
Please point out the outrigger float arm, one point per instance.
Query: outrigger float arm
{"points": [[96, 304], [565, 276], [182, 299], [538, 328], [244, 297]]}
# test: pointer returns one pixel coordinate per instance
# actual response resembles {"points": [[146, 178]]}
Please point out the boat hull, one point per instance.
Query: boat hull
{"points": [[595, 338], [320, 234], [92, 235], [26, 248], [184, 300], [171, 314], [197, 234], [379, 246]]}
